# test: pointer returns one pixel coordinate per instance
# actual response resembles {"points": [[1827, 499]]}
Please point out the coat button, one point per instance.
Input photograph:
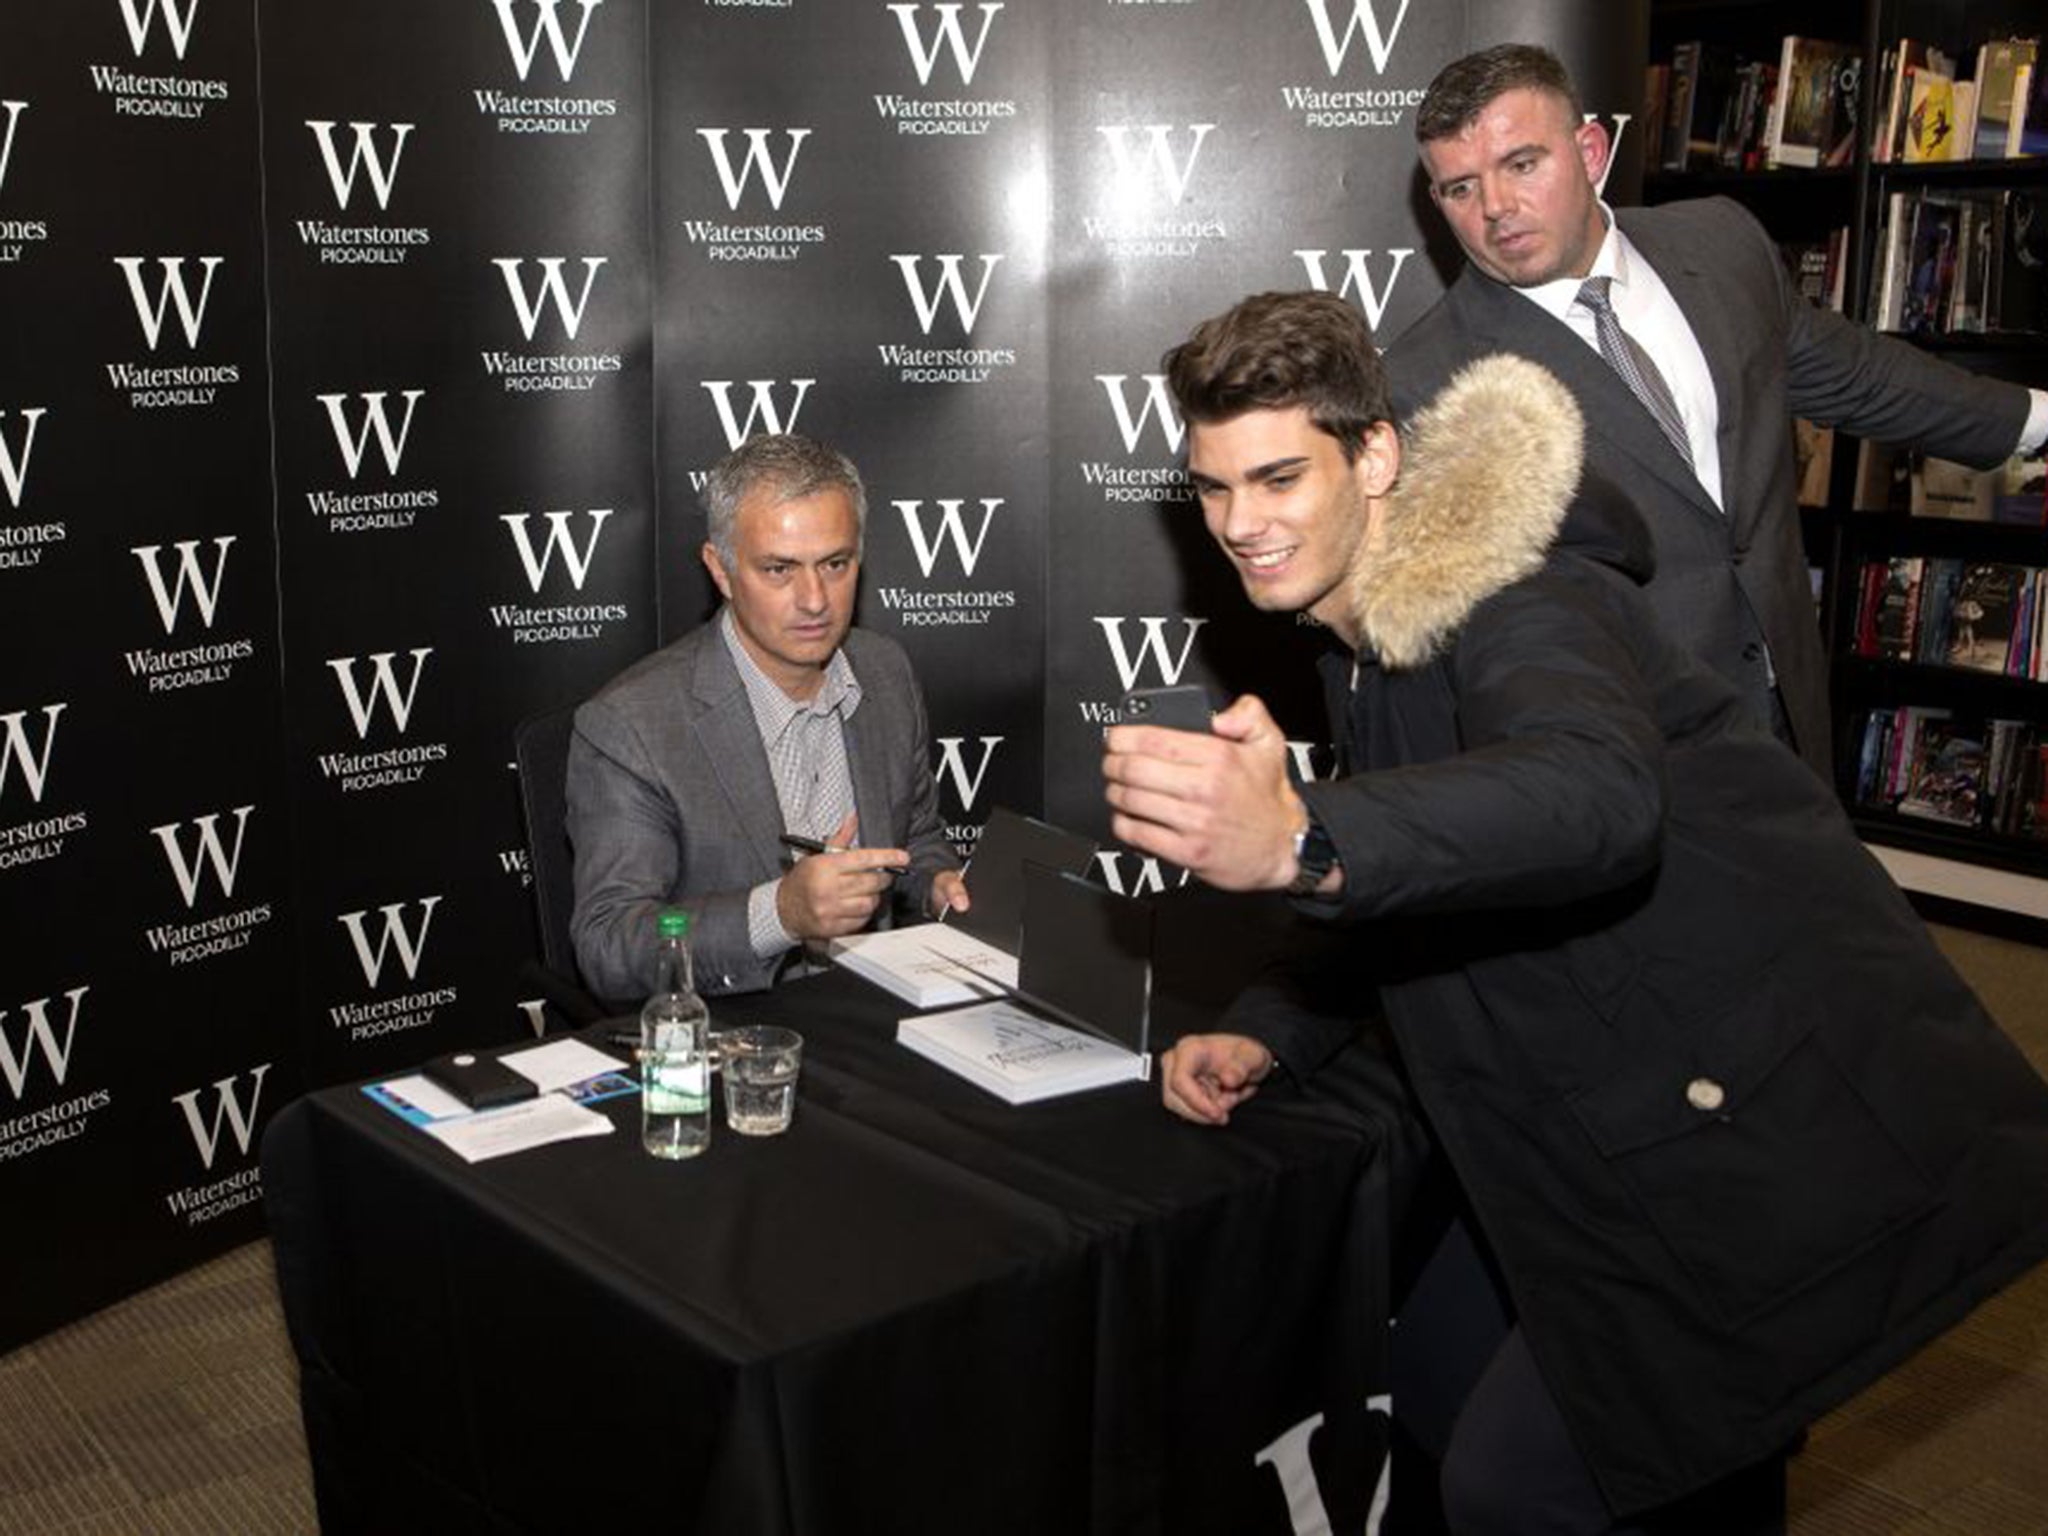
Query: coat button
{"points": [[1705, 1095], [1752, 652]]}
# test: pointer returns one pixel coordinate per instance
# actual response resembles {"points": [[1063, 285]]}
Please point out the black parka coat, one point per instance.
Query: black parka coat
{"points": [[1739, 1136]]}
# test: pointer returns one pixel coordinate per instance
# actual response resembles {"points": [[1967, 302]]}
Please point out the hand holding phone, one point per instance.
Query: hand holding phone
{"points": [[1184, 707]]}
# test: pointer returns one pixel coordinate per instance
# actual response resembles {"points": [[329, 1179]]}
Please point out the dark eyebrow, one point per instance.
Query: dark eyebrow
{"points": [[1277, 467]]}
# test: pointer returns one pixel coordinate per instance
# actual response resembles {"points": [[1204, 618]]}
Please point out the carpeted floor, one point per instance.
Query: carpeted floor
{"points": [[175, 1413]]}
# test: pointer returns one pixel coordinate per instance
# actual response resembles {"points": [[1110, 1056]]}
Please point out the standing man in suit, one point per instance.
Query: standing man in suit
{"points": [[776, 717], [1698, 291]]}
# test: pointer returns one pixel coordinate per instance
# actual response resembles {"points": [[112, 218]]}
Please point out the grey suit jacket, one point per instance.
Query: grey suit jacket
{"points": [[671, 803], [1727, 586]]}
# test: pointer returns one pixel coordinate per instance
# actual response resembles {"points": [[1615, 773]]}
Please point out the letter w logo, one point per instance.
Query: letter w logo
{"points": [[383, 684], [756, 158], [374, 420], [1158, 406], [551, 287], [15, 1068], [1357, 283], [226, 1102], [924, 55], [396, 936], [546, 22], [13, 469], [953, 526], [761, 407], [14, 110], [1364, 18], [180, 27], [170, 601], [950, 283], [171, 291], [14, 748], [1130, 172], [1148, 880], [952, 768], [1152, 645], [187, 871], [578, 562], [364, 157]]}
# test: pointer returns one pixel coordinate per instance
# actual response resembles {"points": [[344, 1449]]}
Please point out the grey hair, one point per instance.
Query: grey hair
{"points": [[788, 467]]}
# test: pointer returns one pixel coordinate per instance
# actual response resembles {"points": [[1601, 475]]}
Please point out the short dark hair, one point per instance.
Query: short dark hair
{"points": [[1275, 350], [1464, 87], [790, 467]]}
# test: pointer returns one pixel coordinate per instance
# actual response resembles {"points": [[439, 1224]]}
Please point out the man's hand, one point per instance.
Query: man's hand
{"points": [[948, 894], [1217, 804], [829, 895], [1204, 1077]]}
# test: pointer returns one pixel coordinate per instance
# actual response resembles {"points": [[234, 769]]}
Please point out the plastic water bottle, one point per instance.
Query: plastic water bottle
{"points": [[675, 1066]]}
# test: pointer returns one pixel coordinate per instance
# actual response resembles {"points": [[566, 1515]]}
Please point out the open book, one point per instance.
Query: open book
{"points": [[934, 965], [1081, 1014]]}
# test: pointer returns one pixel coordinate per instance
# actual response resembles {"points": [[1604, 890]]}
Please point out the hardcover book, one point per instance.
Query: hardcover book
{"points": [[1006, 1050]]}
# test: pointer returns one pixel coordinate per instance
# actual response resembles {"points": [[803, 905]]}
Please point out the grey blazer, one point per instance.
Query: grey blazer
{"points": [[671, 803], [1727, 586]]}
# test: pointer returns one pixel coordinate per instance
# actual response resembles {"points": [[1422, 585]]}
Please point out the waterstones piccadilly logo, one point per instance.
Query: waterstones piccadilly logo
{"points": [[233, 1114], [936, 39], [1151, 660], [1153, 165], [189, 589], [18, 234], [365, 156], [358, 421], [1346, 30], [22, 545], [392, 943], [193, 850], [964, 783], [772, 405], [1137, 874], [27, 744], [536, 33], [946, 290], [943, 538], [557, 549], [542, 296], [1142, 410], [162, 289], [1356, 282], [31, 1055], [759, 237], [368, 702], [154, 28]]}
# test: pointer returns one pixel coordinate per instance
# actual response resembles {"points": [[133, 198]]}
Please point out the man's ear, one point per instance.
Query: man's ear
{"points": [[719, 579], [1594, 148], [1378, 464]]}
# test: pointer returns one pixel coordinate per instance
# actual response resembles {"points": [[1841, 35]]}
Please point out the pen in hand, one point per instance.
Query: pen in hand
{"points": [[804, 844]]}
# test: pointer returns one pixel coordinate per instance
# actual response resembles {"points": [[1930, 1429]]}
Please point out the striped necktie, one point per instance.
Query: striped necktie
{"points": [[1629, 360]]}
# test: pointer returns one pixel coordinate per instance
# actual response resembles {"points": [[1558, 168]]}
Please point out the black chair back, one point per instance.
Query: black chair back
{"points": [[540, 745]]}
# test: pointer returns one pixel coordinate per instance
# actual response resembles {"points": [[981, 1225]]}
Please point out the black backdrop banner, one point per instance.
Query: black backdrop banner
{"points": [[362, 365]]}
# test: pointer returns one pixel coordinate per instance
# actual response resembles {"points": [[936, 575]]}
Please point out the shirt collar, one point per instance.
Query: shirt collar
{"points": [[839, 694], [1611, 260]]}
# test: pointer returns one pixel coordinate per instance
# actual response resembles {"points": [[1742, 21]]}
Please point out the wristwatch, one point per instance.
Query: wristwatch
{"points": [[1314, 857]]}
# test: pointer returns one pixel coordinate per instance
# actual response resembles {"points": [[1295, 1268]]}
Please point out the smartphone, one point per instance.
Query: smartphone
{"points": [[481, 1082], [1182, 708]]}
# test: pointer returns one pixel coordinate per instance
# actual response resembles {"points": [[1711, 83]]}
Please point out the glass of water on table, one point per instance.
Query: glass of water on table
{"points": [[760, 1064]]}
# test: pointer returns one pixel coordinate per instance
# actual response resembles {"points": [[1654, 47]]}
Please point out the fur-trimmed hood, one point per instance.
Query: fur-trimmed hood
{"points": [[1490, 479]]}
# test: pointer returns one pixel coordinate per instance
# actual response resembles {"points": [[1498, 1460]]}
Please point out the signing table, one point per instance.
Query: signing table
{"points": [[920, 1310]]}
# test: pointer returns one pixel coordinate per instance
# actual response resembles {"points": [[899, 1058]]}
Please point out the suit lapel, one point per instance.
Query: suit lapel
{"points": [[1506, 320], [1686, 276], [732, 743]]}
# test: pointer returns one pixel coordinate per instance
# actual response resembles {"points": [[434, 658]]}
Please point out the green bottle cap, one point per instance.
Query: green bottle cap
{"points": [[674, 923]]}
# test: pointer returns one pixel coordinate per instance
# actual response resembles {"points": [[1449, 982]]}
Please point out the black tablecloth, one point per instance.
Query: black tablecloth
{"points": [[921, 1310]]}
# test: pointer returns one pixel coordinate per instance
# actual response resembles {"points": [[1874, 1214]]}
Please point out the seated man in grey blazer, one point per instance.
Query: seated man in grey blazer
{"points": [[776, 717]]}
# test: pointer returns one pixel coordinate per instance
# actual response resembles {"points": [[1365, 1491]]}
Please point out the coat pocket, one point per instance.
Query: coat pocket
{"points": [[1751, 1155]]}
